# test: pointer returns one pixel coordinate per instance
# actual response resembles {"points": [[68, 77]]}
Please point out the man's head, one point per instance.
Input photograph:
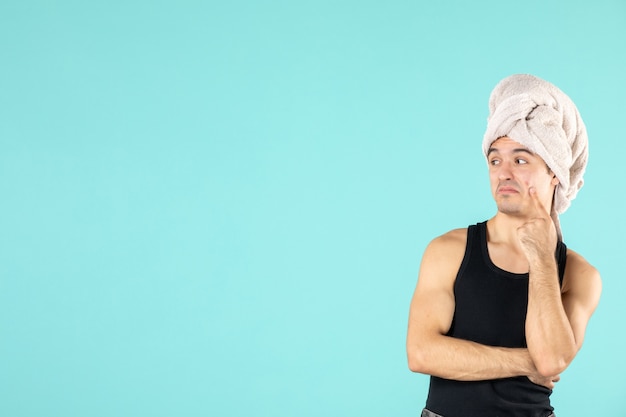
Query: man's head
{"points": [[544, 121], [513, 170]]}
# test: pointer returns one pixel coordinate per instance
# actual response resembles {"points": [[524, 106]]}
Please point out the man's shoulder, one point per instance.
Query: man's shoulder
{"points": [[578, 264], [453, 237], [449, 242], [444, 255]]}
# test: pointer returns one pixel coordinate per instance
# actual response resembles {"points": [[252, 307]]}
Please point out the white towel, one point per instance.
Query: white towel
{"points": [[541, 117]]}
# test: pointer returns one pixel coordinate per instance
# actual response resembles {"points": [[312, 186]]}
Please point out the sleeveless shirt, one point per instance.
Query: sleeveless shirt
{"points": [[490, 309]]}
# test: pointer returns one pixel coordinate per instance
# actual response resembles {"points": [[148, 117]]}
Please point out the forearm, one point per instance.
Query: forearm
{"points": [[549, 335], [462, 360]]}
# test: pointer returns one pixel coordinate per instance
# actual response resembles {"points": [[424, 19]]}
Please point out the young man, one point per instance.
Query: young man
{"points": [[501, 307]]}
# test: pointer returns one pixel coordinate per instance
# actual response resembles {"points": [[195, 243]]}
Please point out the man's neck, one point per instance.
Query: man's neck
{"points": [[502, 228]]}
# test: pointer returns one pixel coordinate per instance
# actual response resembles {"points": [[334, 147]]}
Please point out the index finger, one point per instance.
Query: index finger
{"points": [[540, 209]]}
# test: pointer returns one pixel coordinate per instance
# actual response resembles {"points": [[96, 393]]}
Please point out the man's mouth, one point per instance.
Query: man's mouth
{"points": [[507, 189]]}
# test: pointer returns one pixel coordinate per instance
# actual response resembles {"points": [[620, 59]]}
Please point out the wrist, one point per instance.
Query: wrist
{"points": [[543, 265], [524, 363], [529, 365]]}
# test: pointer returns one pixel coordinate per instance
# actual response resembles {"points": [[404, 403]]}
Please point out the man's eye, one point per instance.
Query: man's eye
{"points": [[494, 162], [521, 161]]}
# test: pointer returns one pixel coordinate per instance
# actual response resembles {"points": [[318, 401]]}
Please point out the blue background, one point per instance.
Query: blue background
{"points": [[219, 208]]}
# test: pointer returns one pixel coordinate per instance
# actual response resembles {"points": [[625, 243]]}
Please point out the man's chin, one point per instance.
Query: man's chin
{"points": [[510, 209]]}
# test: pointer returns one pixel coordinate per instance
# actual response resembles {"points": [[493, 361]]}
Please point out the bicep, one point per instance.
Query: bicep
{"points": [[582, 286], [432, 306], [431, 312]]}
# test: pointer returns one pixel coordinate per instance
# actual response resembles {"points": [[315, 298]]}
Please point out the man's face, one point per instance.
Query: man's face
{"points": [[513, 169]]}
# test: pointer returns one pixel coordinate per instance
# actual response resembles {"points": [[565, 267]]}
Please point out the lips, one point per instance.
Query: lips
{"points": [[507, 189]]}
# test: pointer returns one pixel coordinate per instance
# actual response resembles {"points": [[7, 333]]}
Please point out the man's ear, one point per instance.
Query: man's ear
{"points": [[555, 180]]}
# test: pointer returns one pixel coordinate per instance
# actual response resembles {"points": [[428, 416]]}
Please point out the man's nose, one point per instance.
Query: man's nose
{"points": [[505, 173]]}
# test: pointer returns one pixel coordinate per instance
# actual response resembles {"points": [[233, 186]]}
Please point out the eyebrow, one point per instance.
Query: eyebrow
{"points": [[516, 150]]}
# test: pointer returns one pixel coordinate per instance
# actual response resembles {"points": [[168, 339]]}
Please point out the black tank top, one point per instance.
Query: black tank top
{"points": [[490, 309]]}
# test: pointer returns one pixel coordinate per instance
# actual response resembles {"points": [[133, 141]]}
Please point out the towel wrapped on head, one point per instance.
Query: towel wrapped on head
{"points": [[536, 114]]}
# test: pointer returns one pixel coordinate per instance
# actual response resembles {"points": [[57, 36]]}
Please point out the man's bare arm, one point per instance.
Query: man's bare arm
{"points": [[557, 317], [429, 350]]}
